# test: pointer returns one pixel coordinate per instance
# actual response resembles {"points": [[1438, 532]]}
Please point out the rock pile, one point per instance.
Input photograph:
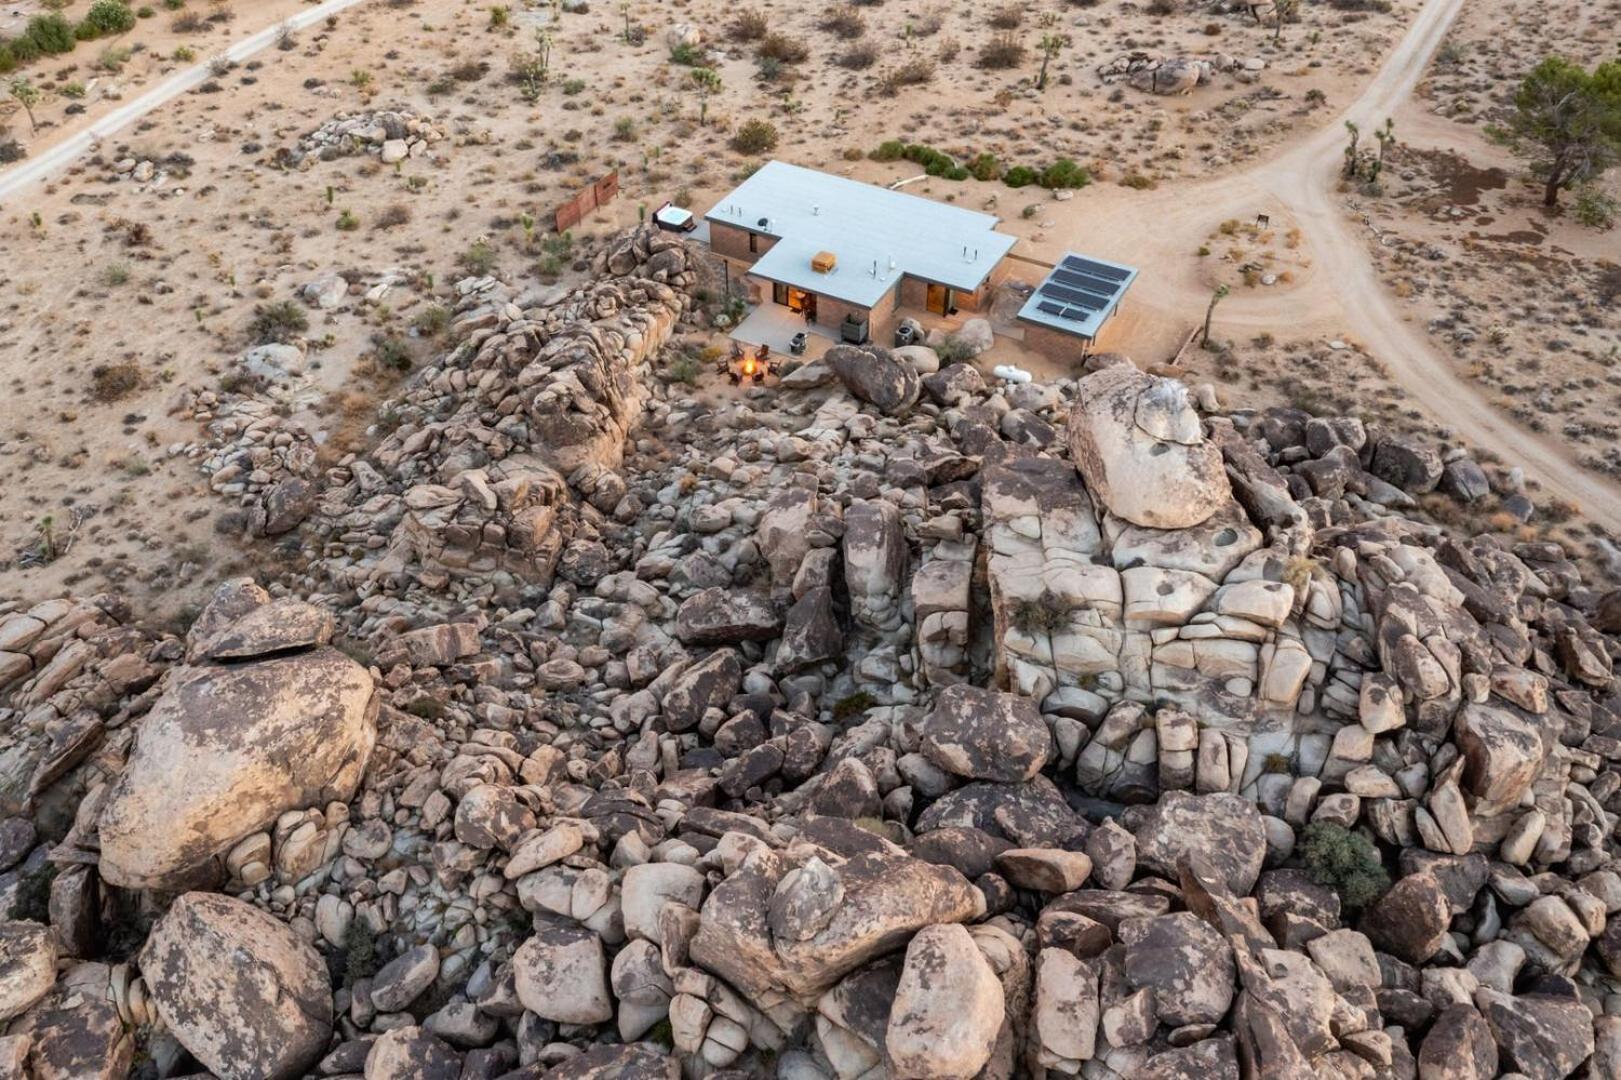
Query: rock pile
{"points": [[390, 135], [1178, 74], [826, 732]]}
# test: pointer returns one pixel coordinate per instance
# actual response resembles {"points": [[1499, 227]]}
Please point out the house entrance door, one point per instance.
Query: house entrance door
{"points": [[938, 300]]}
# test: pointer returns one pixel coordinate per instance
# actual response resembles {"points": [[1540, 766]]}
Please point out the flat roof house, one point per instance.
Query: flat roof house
{"points": [[846, 254]]}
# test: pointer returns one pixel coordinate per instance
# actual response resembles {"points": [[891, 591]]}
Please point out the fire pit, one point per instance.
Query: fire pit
{"points": [[748, 368]]}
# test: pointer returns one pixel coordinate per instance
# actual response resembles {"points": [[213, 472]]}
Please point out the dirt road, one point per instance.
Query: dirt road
{"points": [[1340, 295], [44, 163]]}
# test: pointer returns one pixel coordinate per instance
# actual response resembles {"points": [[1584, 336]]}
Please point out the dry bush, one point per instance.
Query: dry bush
{"points": [[842, 20], [915, 72], [857, 57], [392, 217], [1007, 17], [781, 48], [750, 25], [110, 382], [1001, 52], [928, 22]]}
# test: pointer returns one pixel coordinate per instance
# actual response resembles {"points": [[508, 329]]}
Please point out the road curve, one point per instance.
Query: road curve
{"points": [[47, 162], [1304, 180]]}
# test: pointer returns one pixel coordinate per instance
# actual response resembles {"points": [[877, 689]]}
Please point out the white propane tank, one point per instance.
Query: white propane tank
{"points": [[1009, 373]]}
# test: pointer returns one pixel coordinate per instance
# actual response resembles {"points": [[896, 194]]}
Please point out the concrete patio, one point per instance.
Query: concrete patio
{"points": [[775, 326]]}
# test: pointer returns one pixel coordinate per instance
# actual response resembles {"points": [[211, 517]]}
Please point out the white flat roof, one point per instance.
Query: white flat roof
{"points": [[876, 235]]}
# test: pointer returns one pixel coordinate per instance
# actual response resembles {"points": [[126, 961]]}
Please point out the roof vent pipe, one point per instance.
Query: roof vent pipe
{"points": [[815, 210]]}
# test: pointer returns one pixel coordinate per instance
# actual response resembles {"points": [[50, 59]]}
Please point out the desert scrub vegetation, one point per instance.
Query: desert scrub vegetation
{"points": [[275, 324], [749, 25], [111, 382], [755, 137], [50, 34], [782, 48], [1043, 615], [1345, 861], [1003, 51], [844, 21], [914, 72]]}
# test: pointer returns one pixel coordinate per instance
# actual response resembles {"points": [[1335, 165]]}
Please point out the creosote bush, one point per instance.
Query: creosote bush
{"points": [[276, 323], [755, 137]]}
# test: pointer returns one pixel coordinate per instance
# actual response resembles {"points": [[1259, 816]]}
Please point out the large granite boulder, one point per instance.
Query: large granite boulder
{"points": [[717, 616], [875, 376], [27, 966], [1140, 447], [250, 741], [986, 735], [795, 923], [238, 988], [948, 1007], [1223, 830]]}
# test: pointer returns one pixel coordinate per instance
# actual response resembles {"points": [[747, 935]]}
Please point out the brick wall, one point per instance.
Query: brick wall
{"points": [[732, 241], [1061, 347]]}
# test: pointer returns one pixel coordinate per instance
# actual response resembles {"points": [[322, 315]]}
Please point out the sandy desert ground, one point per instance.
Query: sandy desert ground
{"points": [[139, 271]]}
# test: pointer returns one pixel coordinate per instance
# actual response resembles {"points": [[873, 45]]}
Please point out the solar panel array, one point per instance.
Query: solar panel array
{"points": [[1079, 288]]}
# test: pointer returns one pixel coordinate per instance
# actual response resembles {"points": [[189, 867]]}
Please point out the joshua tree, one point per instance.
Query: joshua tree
{"points": [[543, 51], [706, 81], [1051, 45], [27, 95], [1351, 148], [1282, 11], [1387, 138], [1210, 312]]}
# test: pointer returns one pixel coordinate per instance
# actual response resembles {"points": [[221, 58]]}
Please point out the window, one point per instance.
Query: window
{"points": [[754, 242]]}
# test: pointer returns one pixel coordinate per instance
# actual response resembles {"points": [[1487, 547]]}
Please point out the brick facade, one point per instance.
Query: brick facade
{"points": [[1054, 344]]}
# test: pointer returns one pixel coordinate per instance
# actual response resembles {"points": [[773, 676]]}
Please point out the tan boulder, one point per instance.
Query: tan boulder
{"points": [[1140, 447], [250, 742], [27, 966], [238, 988]]}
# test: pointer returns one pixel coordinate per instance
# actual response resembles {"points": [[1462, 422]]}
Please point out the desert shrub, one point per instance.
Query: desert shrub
{"points": [[934, 162], [1001, 52], [106, 17], [1064, 173], [1162, 7], [842, 20], [1020, 176], [1137, 181], [683, 369], [478, 260], [688, 55], [749, 25], [392, 217], [1345, 861], [984, 167], [432, 321], [50, 35], [858, 56], [755, 137], [769, 68], [393, 353], [110, 382], [954, 350], [914, 72], [1007, 17], [360, 959], [1594, 208], [11, 150], [854, 705], [347, 221], [276, 323], [782, 48], [1045, 614], [892, 150]]}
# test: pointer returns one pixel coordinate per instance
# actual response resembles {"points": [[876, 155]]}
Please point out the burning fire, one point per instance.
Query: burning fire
{"points": [[749, 367]]}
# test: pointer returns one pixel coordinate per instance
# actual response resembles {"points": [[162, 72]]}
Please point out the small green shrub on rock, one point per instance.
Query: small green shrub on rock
{"points": [[1345, 861]]}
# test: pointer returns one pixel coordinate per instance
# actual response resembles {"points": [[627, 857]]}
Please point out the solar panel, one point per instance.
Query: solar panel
{"points": [[1075, 314], [1051, 309], [1096, 269], [1070, 296], [1081, 283]]}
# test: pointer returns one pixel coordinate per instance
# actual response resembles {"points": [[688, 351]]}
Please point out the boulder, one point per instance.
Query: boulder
{"points": [[409, 1053], [1223, 830], [717, 616], [561, 975], [874, 375], [948, 1008], [1184, 961], [824, 929], [1410, 920], [240, 990], [27, 966], [1408, 464], [985, 735], [1459, 1046], [1140, 447], [251, 741], [1543, 1036]]}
